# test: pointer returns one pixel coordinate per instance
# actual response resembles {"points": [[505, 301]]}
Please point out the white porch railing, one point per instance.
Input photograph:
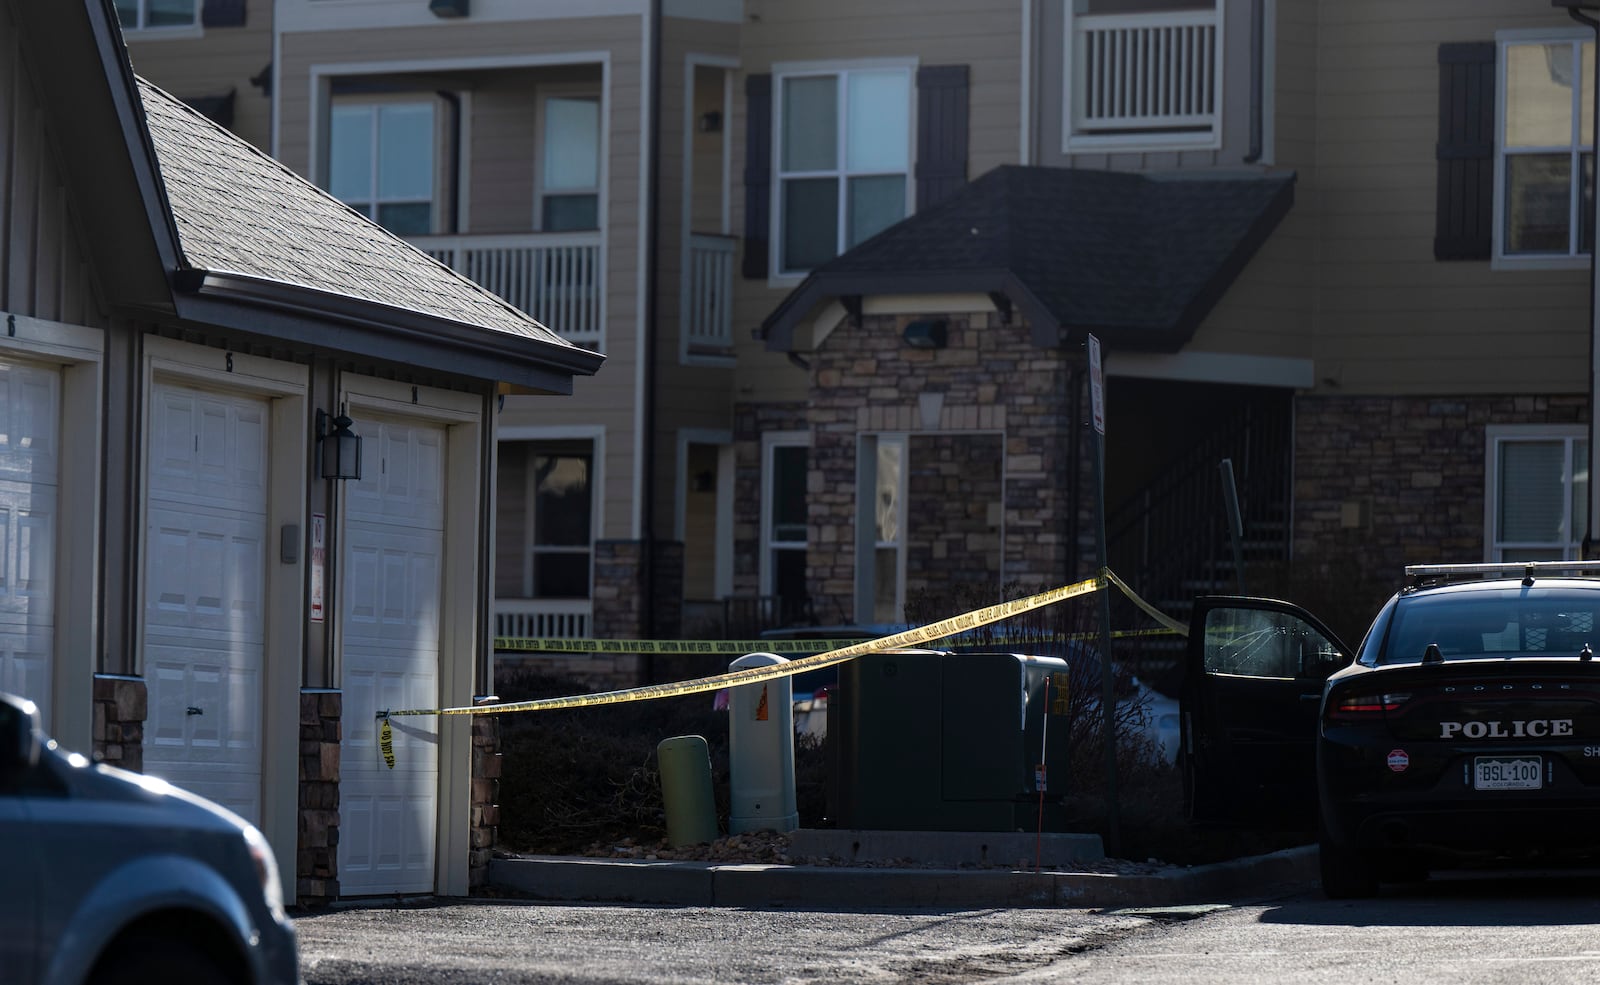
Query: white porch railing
{"points": [[555, 277], [543, 618], [1152, 73], [708, 293]]}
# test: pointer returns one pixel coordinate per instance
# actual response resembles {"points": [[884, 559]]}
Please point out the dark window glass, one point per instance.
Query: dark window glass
{"points": [[570, 213], [789, 494], [1538, 203]]}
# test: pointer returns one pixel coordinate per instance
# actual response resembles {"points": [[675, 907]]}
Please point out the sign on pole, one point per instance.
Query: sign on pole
{"points": [[1097, 387]]}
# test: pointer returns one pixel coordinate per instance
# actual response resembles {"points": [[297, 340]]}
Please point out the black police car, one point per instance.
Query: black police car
{"points": [[1465, 730]]}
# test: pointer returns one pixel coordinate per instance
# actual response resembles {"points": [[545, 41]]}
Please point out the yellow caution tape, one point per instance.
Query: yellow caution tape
{"points": [[386, 743], [1171, 624], [566, 644], [756, 675]]}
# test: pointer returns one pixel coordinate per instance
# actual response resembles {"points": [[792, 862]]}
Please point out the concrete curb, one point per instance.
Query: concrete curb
{"points": [[758, 885]]}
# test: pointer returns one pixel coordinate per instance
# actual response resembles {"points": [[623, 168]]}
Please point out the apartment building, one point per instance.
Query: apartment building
{"points": [[842, 259]]}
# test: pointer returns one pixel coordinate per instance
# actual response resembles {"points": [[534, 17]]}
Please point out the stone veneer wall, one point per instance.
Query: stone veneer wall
{"points": [[990, 377], [120, 708], [1382, 482], [485, 819], [317, 851], [955, 498]]}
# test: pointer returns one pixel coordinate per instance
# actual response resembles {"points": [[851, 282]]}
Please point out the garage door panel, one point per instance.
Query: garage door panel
{"points": [[206, 573], [205, 593], [25, 665], [370, 689], [406, 485], [393, 535], [30, 423], [224, 728], [209, 450], [27, 551]]}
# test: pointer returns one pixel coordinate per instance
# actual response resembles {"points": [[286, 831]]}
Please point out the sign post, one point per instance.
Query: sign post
{"points": [[1108, 693]]}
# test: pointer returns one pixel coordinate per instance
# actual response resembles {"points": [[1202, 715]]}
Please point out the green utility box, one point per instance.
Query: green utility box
{"points": [[923, 740]]}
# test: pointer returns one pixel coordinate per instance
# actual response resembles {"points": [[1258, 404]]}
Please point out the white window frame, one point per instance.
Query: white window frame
{"points": [[770, 442], [440, 165], [573, 91], [1498, 435], [164, 31], [776, 275], [1576, 257], [529, 497]]}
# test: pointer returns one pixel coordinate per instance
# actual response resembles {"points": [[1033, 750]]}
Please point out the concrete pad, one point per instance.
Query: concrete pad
{"points": [[1017, 849], [888, 888]]}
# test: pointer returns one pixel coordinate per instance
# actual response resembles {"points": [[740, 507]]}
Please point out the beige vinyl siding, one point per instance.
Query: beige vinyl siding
{"points": [[985, 37], [1391, 319], [44, 272], [687, 395], [504, 138], [608, 399], [222, 58]]}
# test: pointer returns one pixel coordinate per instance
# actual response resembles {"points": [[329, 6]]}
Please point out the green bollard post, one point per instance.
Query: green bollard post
{"points": [[685, 762]]}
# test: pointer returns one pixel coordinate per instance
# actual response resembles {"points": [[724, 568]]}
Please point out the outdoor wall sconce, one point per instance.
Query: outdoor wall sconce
{"points": [[341, 447], [448, 8], [926, 333]]}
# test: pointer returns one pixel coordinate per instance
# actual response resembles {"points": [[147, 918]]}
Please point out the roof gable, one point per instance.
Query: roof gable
{"points": [[1136, 259]]}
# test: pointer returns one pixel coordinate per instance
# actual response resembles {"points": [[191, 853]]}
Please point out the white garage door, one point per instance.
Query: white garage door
{"points": [[394, 539], [30, 398], [205, 570]]}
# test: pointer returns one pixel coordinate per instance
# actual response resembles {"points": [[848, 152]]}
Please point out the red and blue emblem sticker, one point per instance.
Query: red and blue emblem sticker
{"points": [[1398, 760]]}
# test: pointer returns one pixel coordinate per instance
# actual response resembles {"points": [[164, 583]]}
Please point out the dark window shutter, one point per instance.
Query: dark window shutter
{"points": [[757, 174], [1464, 222], [941, 132], [222, 13]]}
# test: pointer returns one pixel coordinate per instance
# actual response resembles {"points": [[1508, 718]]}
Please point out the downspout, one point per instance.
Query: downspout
{"points": [[647, 532], [1588, 549], [1258, 45]]}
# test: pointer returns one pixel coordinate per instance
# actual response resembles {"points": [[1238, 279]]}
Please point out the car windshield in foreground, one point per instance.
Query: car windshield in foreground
{"points": [[1499, 622]]}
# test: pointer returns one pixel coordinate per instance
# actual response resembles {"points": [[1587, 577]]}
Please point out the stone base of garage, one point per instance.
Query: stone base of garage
{"points": [[120, 706]]}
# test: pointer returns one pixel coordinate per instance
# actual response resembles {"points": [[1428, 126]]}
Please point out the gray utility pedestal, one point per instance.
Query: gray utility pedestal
{"points": [[923, 740]]}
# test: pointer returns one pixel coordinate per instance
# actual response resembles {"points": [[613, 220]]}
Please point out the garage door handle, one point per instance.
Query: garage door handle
{"points": [[195, 711]]}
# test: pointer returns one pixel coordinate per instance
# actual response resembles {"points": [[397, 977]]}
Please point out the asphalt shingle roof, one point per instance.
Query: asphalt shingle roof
{"points": [[239, 211], [1140, 256]]}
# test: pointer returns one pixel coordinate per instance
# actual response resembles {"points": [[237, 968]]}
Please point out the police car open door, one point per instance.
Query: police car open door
{"points": [[1252, 689]]}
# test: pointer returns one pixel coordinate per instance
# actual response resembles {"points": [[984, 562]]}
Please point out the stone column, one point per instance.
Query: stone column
{"points": [[120, 708], [317, 854], [485, 793]]}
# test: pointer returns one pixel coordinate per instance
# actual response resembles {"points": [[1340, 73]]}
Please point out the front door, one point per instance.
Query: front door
{"points": [[393, 551], [1251, 694], [205, 593]]}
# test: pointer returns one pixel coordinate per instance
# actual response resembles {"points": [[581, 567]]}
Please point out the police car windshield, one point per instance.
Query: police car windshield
{"points": [[1495, 623]]}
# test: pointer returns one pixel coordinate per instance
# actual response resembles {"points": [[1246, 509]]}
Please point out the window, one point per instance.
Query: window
{"points": [[381, 163], [545, 521], [138, 15], [1546, 148], [843, 156], [889, 511], [569, 164], [1538, 496], [783, 522]]}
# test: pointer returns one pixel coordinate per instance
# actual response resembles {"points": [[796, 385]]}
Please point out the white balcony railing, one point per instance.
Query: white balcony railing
{"points": [[555, 277], [1145, 73], [708, 293], [543, 618]]}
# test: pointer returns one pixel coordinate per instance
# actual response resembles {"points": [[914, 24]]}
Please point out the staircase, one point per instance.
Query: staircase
{"points": [[1171, 541]]}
